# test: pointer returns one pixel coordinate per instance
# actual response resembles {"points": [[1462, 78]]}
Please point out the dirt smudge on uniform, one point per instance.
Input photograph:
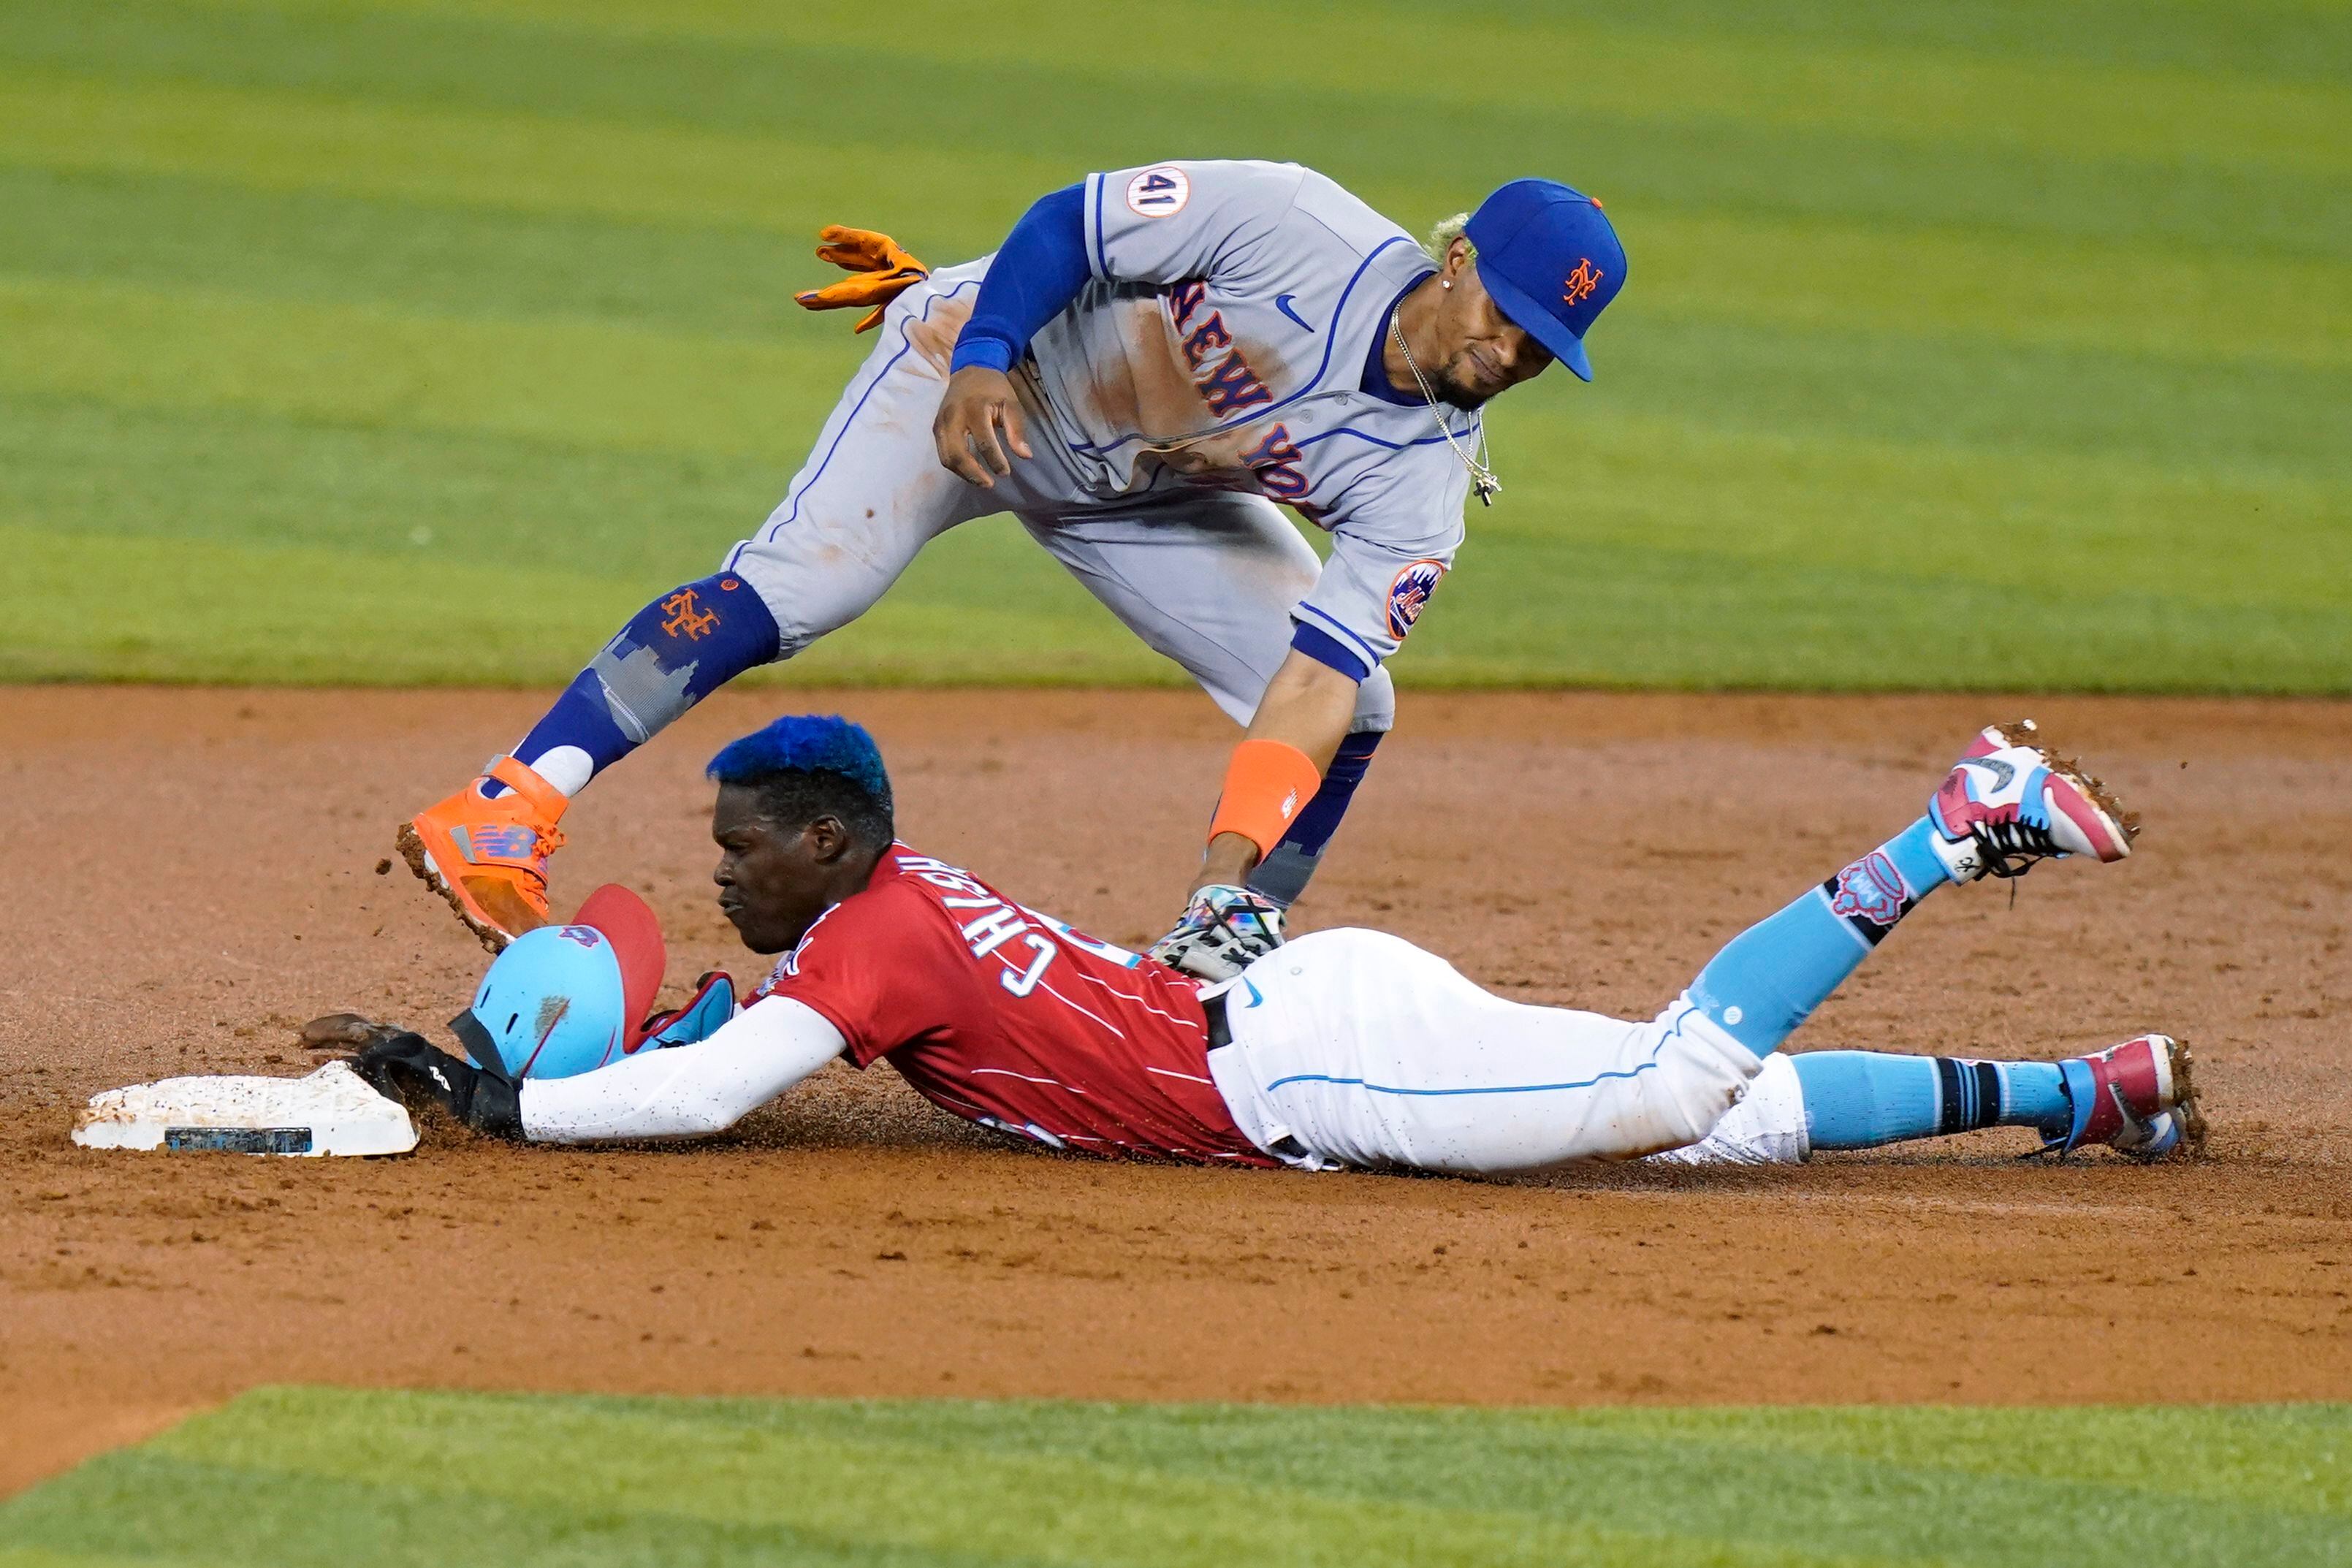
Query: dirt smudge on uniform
{"points": [[933, 335]]}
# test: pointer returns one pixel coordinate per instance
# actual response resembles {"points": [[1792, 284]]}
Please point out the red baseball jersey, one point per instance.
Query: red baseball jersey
{"points": [[1010, 1018]]}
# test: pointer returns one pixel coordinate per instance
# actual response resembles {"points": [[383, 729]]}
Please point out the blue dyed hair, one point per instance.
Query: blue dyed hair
{"points": [[807, 764]]}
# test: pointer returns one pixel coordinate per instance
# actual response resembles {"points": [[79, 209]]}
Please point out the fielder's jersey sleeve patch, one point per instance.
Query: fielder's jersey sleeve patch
{"points": [[1409, 591], [1159, 192], [1168, 222], [1368, 597]]}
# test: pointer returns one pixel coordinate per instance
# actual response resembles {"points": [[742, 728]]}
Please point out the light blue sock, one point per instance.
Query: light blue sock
{"points": [[1772, 975], [1858, 1099]]}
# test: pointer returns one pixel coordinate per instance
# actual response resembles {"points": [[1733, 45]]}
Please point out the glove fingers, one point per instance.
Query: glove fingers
{"points": [[851, 259], [834, 296], [866, 291], [861, 248], [343, 1031]]}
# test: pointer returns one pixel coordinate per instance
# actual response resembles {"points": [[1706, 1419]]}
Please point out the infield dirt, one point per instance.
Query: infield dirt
{"points": [[190, 874]]}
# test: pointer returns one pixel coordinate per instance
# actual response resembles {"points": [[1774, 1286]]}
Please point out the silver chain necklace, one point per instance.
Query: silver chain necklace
{"points": [[1483, 484]]}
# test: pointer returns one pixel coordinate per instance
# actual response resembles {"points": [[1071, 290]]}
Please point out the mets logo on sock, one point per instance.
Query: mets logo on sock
{"points": [[1870, 891], [686, 618], [1582, 282], [1409, 594]]}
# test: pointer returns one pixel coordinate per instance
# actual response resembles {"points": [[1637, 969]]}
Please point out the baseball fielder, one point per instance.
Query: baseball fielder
{"points": [[1344, 1048], [1154, 358]]}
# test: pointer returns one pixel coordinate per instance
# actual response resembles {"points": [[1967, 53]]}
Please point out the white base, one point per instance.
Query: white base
{"points": [[331, 1111]]}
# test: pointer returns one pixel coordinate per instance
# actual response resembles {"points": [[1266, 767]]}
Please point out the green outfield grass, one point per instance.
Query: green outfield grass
{"points": [[2003, 343], [304, 1476]]}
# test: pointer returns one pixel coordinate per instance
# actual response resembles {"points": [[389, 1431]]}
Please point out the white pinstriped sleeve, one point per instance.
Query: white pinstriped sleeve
{"points": [[685, 1091]]}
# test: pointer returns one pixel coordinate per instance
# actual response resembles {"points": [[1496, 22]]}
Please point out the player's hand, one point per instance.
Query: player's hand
{"points": [[345, 1032], [979, 402], [411, 1070], [1225, 930], [883, 272]]}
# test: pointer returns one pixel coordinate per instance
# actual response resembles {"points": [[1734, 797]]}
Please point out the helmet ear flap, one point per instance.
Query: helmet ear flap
{"points": [[480, 1049], [712, 1004]]}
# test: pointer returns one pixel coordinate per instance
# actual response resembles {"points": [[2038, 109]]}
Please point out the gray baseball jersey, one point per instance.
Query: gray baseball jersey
{"points": [[1221, 343]]}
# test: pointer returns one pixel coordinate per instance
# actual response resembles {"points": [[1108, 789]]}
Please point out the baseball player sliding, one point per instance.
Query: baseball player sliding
{"points": [[1153, 360], [1344, 1048]]}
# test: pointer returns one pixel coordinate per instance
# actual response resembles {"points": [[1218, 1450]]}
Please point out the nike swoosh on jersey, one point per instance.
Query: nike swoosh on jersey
{"points": [[1255, 997], [1282, 303]]}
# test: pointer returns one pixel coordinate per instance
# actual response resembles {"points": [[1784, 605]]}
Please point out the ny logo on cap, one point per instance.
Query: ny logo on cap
{"points": [[1582, 281]]}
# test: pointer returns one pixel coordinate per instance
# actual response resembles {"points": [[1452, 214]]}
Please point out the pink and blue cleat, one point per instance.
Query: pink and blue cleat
{"points": [[2136, 1097], [2008, 803]]}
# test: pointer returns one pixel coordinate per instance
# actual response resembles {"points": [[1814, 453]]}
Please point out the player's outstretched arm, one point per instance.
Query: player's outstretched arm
{"points": [[1306, 712], [682, 1091], [685, 1091], [1275, 772]]}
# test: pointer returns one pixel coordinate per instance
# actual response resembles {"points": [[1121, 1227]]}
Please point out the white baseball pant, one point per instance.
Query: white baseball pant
{"points": [[1357, 1049]]}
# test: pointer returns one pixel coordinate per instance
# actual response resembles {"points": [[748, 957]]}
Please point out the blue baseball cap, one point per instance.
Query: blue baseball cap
{"points": [[1551, 260]]}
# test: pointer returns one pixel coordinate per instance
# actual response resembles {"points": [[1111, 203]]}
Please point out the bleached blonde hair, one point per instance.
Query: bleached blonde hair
{"points": [[1441, 239]]}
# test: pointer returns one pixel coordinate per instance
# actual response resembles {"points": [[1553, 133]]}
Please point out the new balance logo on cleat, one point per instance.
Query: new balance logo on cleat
{"points": [[501, 843]]}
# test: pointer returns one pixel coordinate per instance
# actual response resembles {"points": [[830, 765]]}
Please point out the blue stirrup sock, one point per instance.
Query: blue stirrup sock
{"points": [[1772, 975], [1283, 875], [1859, 1099], [671, 655]]}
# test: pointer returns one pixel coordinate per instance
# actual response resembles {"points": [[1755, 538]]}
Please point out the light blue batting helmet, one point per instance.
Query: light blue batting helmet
{"points": [[568, 999]]}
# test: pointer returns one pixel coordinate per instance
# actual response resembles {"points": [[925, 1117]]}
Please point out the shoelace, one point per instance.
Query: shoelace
{"points": [[2012, 848]]}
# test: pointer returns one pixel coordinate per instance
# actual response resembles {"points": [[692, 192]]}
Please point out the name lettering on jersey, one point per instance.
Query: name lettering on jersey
{"points": [[1232, 384], [1157, 192], [1205, 339], [996, 928], [1278, 465], [1224, 378]]}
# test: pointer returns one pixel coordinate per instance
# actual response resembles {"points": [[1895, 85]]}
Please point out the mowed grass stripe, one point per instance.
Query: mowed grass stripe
{"points": [[2171, 116], [622, 387], [2084, 525], [842, 1500], [247, 476], [174, 232], [2291, 40], [1676, 140], [214, 231], [643, 389], [1670, 518], [298, 1476], [1659, 577], [985, 606], [522, 162], [981, 607]]}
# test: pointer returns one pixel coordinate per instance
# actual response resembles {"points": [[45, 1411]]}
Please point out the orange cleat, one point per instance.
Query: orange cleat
{"points": [[489, 857]]}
